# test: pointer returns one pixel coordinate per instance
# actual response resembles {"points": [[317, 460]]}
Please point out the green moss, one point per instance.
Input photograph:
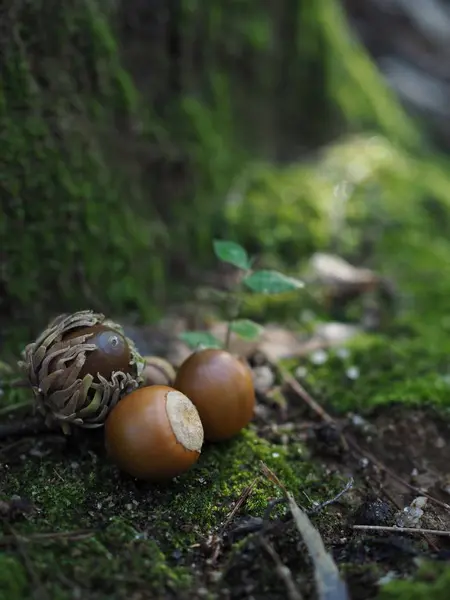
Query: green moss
{"points": [[400, 370], [432, 581], [138, 530], [395, 212], [66, 194]]}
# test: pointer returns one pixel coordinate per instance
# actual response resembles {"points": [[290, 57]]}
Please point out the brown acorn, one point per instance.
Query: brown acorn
{"points": [[154, 433], [221, 387], [79, 367]]}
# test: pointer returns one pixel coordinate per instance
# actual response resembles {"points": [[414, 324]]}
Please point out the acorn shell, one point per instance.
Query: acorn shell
{"points": [[221, 387], [62, 366], [154, 433]]}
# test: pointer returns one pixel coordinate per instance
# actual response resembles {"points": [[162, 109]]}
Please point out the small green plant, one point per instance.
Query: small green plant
{"points": [[260, 281]]}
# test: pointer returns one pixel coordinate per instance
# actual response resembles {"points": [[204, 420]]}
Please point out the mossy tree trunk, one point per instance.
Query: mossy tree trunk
{"points": [[124, 126]]}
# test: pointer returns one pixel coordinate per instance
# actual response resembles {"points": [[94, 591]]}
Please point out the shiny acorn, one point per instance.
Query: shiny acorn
{"points": [[79, 367], [154, 433], [221, 387], [112, 352]]}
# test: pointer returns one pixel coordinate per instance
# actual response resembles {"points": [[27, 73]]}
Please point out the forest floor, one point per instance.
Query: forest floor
{"points": [[370, 410], [74, 527]]}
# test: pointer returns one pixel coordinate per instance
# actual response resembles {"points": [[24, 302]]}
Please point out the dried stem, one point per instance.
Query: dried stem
{"points": [[303, 394], [234, 310], [386, 469], [282, 571], [402, 529]]}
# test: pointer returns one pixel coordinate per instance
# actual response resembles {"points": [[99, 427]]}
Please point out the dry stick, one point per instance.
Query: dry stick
{"points": [[383, 467], [306, 397], [240, 502], [402, 529], [283, 572], [329, 584], [300, 391]]}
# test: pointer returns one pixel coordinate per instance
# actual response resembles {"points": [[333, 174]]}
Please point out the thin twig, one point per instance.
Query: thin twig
{"points": [[283, 572], [217, 540], [240, 502], [402, 529], [304, 395], [386, 469], [288, 379], [322, 505], [329, 584]]}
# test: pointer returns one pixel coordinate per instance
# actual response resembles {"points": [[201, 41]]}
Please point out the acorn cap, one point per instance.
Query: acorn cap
{"points": [[59, 365], [157, 371]]}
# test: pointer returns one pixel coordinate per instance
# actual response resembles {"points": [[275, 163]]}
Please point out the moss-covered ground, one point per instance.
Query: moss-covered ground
{"points": [[94, 533]]}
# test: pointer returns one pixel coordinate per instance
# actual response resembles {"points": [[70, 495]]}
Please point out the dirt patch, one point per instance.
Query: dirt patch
{"points": [[396, 450]]}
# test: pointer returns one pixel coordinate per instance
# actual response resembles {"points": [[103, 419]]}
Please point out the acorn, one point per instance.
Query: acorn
{"points": [[154, 433], [79, 367], [221, 387], [157, 371]]}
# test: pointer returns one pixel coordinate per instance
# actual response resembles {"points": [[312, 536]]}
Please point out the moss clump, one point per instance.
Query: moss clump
{"points": [[388, 371], [432, 581], [379, 205]]}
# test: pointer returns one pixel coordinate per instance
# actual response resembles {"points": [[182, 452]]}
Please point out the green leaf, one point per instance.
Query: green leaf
{"points": [[232, 253], [196, 339], [272, 282], [246, 329]]}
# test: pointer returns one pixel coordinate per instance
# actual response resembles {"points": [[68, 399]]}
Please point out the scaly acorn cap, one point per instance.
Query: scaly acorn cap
{"points": [[79, 367]]}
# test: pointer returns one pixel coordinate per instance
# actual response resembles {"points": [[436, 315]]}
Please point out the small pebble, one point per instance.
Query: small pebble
{"points": [[373, 512], [390, 576], [263, 379], [358, 421], [411, 515], [319, 357], [301, 372], [352, 372]]}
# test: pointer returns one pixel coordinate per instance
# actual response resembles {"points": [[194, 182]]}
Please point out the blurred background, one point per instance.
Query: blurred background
{"points": [[133, 133]]}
